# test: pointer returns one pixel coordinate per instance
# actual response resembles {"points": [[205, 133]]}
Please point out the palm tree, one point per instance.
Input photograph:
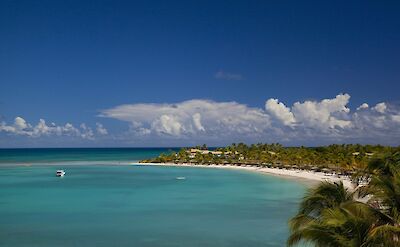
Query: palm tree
{"points": [[329, 214], [384, 189], [306, 225], [349, 224], [385, 182]]}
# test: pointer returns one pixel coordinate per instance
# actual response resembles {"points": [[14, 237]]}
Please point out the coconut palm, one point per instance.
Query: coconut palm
{"points": [[330, 216], [384, 189], [385, 183], [306, 225], [326, 195], [349, 224], [341, 222]]}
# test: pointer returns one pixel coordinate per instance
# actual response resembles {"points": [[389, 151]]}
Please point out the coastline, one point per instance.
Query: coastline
{"points": [[310, 176], [305, 176]]}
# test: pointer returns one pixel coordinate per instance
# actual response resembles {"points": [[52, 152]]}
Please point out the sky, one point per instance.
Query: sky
{"points": [[179, 73]]}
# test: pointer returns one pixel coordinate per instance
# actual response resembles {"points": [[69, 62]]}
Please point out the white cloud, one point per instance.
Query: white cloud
{"points": [[197, 122], [205, 121], [362, 106], [380, 107], [222, 75], [21, 127], [100, 129], [324, 114], [20, 123], [86, 132], [70, 129], [192, 117], [326, 120], [280, 111], [168, 124]]}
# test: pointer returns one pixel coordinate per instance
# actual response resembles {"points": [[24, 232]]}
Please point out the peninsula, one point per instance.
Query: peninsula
{"points": [[331, 163]]}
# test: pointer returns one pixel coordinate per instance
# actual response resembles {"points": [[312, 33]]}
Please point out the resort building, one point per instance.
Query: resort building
{"points": [[193, 151]]}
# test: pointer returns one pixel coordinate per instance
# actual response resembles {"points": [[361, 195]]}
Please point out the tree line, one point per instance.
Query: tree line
{"points": [[335, 156]]}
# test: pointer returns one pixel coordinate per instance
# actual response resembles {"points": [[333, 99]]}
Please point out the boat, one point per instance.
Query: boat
{"points": [[180, 178], [60, 173]]}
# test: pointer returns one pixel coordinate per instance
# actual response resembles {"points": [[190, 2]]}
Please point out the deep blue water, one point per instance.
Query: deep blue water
{"points": [[127, 205], [51, 155]]}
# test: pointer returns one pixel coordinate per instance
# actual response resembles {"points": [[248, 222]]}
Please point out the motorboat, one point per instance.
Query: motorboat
{"points": [[60, 173]]}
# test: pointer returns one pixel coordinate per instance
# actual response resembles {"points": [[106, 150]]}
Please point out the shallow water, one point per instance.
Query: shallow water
{"points": [[103, 205]]}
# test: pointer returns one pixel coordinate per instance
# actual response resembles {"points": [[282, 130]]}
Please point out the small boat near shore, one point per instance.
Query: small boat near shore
{"points": [[60, 173]]}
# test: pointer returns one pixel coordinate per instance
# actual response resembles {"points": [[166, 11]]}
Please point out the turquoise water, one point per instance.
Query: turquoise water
{"points": [[125, 205]]}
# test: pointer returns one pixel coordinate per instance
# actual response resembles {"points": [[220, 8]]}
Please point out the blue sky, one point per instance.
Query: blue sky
{"points": [[80, 62]]}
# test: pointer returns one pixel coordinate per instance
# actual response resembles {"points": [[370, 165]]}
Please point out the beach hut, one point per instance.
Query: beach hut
{"points": [[315, 169]]}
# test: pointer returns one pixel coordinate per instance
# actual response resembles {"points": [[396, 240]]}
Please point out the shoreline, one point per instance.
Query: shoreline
{"points": [[309, 176]]}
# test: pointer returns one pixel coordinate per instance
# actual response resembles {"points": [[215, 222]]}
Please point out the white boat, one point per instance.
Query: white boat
{"points": [[181, 178], [60, 173]]}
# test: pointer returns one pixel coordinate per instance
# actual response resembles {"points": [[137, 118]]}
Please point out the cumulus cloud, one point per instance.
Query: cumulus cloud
{"points": [[192, 117], [329, 120], [223, 75], [324, 114], [380, 107], [100, 129], [168, 124], [363, 106], [20, 123], [279, 111], [86, 132], [23, 128], [308, 122]]}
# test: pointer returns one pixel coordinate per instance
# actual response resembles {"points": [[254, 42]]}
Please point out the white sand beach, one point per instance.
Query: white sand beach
{"points": [[289, 173]]}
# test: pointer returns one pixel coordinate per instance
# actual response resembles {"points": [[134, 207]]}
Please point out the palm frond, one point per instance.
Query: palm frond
{"points": [[384, 235]]}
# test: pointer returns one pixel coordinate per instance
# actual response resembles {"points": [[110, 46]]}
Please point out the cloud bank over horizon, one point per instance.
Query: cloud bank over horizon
{"points": [[309, 122], [21, 127]]}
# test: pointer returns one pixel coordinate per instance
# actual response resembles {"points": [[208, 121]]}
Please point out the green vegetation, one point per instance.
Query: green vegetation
{"points": [[330, 215], [342, 158]]}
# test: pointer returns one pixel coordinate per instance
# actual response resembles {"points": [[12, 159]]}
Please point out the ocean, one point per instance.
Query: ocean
{"points": [[105, 201]]}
